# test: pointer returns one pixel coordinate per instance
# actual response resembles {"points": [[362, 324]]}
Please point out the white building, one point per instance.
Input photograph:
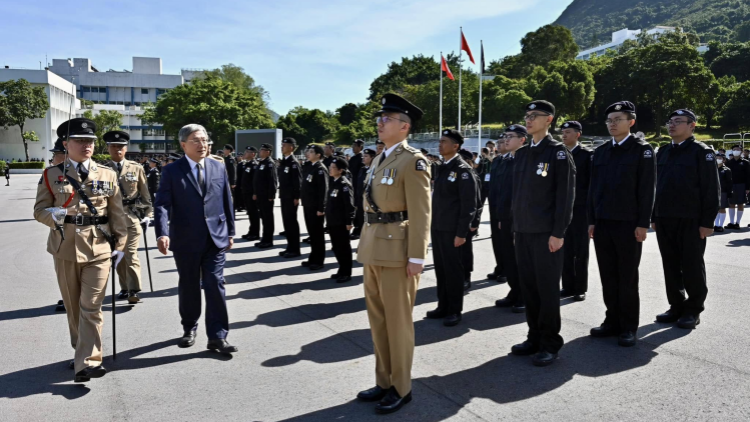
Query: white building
{"points": [[618, 39], [60, 94]]}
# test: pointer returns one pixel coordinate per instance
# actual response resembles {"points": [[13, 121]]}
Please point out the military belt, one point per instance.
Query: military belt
{"points": [[386, 217], [130, 201], [85, 220]]}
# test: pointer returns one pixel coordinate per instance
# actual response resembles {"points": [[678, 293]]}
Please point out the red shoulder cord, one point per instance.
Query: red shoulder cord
{"points": [[46, 182]]}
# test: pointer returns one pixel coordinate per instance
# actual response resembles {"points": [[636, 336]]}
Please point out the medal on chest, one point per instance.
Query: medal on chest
{"points": [[452, 176], [542, 169], [309, 178], [388, 175], [334, 193], [262, 167], [286, 169]]}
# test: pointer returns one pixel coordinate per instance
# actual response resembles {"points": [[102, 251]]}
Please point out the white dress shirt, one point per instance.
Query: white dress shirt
{"points": [[194, 167], [621, 142], [86, 163]]}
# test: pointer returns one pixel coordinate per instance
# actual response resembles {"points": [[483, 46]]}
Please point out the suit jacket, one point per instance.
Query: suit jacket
{"points": [[186, 214]]}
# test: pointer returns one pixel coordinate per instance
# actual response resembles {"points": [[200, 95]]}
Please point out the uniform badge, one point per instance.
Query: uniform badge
{"points": [[421, 165], [334, 193], [294, 166], [262, 167], [561, 155], [618, 107], [566, 125], [542, 168], [648, 154], [682, 112], [320, 171], [286, 169], [247, 170], [346, 189], [465, 176], [452, 176], [309, 177], [710, 156], [532, 106]]}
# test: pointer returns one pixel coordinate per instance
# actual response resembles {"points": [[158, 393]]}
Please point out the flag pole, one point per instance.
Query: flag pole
{"points": [[481, 73], [460, 54], [440, 118]]}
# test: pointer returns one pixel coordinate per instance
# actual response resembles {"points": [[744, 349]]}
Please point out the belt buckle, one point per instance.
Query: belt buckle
{"points": [[79, 219]]}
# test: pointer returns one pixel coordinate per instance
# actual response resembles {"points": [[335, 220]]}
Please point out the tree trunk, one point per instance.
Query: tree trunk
{"points": [[25, 144]]}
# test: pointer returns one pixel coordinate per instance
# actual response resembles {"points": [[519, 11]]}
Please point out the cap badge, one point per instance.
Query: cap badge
{"points": [[383, 101], [566, 125], [680, 112], [445, 132], [532, 106], [84, 125], [512, 127], [117, 135], [618, 107]]}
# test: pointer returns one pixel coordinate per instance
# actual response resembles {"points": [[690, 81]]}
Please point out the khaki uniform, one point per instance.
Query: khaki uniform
{"points": [[82, 260], [385, 249], [133, 185]]}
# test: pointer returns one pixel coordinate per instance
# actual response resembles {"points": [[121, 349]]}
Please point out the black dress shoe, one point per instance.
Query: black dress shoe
{"points": [[668, 317], [72, 364], [282, 233], [306, 240], [60, 307], [305, 263], [187, 340], [133, 297], [627, 339], [282, 253], [245, 236], [221, 346], [544, 358], [335, 276], [467, 285], [688, 321], [452, 320], [579, 298], [604, 330], [354, 237], [491, 276], [90, 372], [316, 267], [344, 279], [263, 245], [505, 302], [373, 394], [518, 309], [565, 293], [392, 402], [292, 255], [524, 349], [122, 295], [435, 314], [720, 229]]}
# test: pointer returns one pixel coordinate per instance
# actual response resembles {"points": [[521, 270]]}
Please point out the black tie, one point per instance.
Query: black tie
{"points": [[382, 158], [201, 182], [119, 168], [82, 172]]}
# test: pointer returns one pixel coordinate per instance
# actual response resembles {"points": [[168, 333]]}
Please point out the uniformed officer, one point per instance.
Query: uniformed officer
{"points": [[340, 217], [483, 169], [214, 156], [251, 166], [542, 206], [493, 196], [741, 178], [231, 165], [501, 200], [7, 174], [467, 249], [355, 161], [58, 156], [314, 194], [290, 180], [136, 201], [453, 210], [575, 275], [393, 248], [153, 175], [379, 146], [687, 198], [621, 198], [239, 197], [329, 150], [265, 184], [89, 219], [359, 185], [725, 181]]}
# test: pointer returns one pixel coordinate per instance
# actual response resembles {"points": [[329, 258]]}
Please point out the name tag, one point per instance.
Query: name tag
{"points": [[262, 167], [486, 177], [286, 169]]}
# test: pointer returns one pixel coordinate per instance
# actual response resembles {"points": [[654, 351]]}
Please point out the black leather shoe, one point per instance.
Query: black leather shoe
{"points": [[518, 309], [565, 293], [373, 394], [491, 276], [467, 285], [392, 402], [122, 295], [282, 233], [292, 255], [452, 320], [344, 279], [253, 237], [335, 276], [524, 349], [627, 339], [72, 364], [604, 330], [505, 302], [263, 245], [245, 236], [688, 322], [668, 317], [221, 346], [306, 240], [305, 263], [435, 314], [282, 253], [354, 237], [316, 267], [187, 340], [133, 297], [60, 307], [719, 229], [579, 298], [90, 372], [544, 358]]}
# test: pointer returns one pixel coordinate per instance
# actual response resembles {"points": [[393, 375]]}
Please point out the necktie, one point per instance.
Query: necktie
{"points": [[119, 168], [82, 172], [382, 158], [201, 182]]}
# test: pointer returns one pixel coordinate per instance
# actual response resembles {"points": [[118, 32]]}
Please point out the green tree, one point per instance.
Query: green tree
{"points": [[22, 101], [219, 106], [347, 113], [735, 113], [236, 75], [416, 70], [742, 32], [506, 107], [733, 60], [307, 126], [548, 43], [106, 120], [427, 97], [362, 125]]}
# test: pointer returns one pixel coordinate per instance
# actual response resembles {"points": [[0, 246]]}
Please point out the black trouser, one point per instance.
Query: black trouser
{"points": [[359, 220], [682, 252], [291, 226], [342, 248], [265, 208], [539, 274], [252, 214], [499, 270], [467, 255], [449, 271], [314, 224], [575, 275], [509, 263], [619, 255], [238, 198]]}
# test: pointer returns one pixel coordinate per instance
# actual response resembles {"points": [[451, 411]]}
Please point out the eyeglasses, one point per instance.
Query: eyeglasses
{"points": [[615, 121], [675, 122], [531, 117], [386, 119], [197, 141], [512, 136]]}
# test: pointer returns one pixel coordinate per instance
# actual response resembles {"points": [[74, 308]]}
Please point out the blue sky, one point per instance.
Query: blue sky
{"points": [[310, 53]]}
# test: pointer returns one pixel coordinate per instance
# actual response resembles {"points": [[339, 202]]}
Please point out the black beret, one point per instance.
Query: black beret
{"points": [[116, 137], [174, 157], [541, 105], [267, 147], [338, 154], [251, 149], [454, 135], [229, 147], [290, 141], [521, 130], [491, 142], [398, 104], [154, 160], [572, 124], [358, 142], [624, 106], [685, 113], [59, 147], [317, 149], [466, 154], [370, 151], [330, 144], [340, 163], [379, 142], [77, 128]]}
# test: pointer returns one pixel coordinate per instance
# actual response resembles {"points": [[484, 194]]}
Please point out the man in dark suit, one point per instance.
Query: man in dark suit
{"points": [[195, 195]]}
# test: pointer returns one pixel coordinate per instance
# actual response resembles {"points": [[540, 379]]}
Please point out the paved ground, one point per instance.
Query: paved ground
{"points": [[305, 348]]}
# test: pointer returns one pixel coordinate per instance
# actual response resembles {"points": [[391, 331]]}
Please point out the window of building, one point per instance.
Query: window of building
{"points": [[160, 91], [86, 89], [144, 91]]}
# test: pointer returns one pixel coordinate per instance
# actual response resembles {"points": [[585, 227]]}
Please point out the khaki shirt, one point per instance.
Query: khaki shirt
{"points": [[82, 243], [392, 244], [133, 183]]}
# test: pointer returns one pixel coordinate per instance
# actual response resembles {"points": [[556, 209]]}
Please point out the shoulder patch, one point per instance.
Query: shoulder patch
{"points": [[346, 188], [465, 175], [648, 154], [320, 171], [421, 165], [710, 156], [411, 149], [561, 155]]}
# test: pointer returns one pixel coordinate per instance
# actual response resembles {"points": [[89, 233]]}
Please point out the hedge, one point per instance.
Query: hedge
{"points": [[31, 165], [2, 165]]}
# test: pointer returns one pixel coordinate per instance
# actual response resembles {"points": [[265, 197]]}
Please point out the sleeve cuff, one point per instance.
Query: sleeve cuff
{"points": [[157, 239], [416, 261]]}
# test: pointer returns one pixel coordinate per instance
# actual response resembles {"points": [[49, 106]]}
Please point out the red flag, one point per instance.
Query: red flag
{"points": [[465, 47], [444, 67]]}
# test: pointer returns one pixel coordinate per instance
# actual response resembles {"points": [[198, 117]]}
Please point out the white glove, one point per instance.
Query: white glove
{"points": [[146, 220], [118, 256]]}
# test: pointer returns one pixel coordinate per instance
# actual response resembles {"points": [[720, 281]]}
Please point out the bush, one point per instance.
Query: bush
{"points": [[2, 165], [101, 158], [32, 165]]}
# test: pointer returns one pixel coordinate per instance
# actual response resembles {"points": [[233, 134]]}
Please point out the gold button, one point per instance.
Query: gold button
{"points": [[390, 236], [78, 230]]}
